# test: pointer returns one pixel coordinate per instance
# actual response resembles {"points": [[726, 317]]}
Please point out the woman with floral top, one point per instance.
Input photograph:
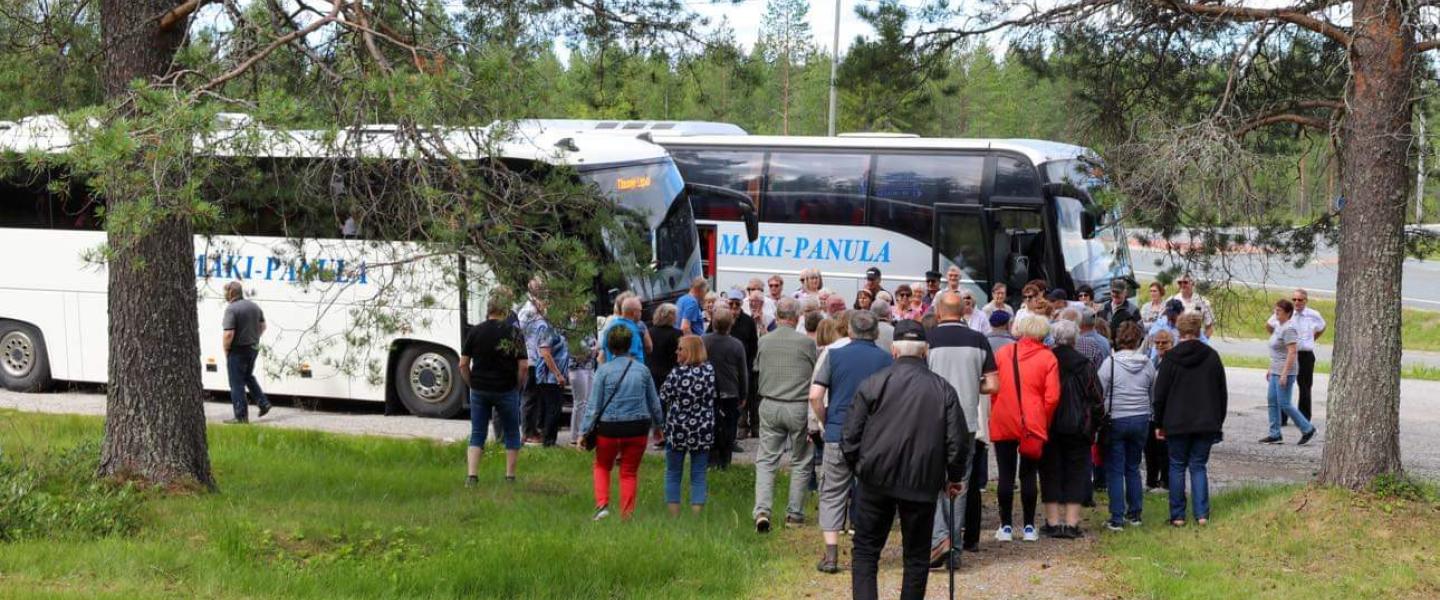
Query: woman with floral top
{"points": [[689, 394]]}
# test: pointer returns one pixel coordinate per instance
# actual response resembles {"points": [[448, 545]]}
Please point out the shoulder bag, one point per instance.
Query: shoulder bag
{"points": [[1032, 446], [588, 440]]}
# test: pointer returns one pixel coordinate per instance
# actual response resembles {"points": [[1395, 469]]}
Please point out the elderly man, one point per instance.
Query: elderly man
{"points": [[932, 289], [243, 324], [692, 318], [952, 279], [840, 374], [629, 318], [1119, 309], [905, 439], [1194, 302], [1093, 345], [787, 360], [964, 358], [881, 309], [775, 288], [834, 306]]}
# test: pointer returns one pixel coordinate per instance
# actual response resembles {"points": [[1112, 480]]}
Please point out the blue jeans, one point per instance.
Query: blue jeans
{"points": [[505, 406], [240, 367], [1122, 466], [1189, 452], [674, 472], [1279, 401]]}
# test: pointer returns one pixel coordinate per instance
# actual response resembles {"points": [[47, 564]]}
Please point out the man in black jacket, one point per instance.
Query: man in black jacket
{"points": [[1119, 309], [905, 439]]}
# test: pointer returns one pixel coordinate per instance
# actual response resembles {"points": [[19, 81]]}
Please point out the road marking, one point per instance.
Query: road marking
{"points": [[1308, 289]]}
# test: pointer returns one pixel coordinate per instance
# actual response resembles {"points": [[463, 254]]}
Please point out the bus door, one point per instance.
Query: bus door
{"points": [[708, 240], [961, 237]]}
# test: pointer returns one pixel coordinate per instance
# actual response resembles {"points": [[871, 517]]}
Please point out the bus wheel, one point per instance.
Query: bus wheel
{"points": [[24, 365], [427, 379]]}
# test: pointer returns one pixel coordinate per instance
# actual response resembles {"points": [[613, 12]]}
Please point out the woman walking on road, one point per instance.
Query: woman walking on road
{"points": [[1020, 411], [623, 409], [689, 395], [1190, 403], [1127, 378], [1281, 376]]}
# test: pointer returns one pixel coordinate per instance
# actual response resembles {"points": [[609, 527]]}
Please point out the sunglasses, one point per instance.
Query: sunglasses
{"points": [[1299, 299], [754, 289], [774, 285], [1187, 283]]}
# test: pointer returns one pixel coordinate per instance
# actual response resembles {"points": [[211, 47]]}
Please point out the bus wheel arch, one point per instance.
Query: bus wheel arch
{"points": [[425, 378], [24, 360]]}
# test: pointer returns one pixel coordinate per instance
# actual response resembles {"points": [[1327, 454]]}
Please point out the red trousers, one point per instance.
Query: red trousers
{"points": [[630, 450]]}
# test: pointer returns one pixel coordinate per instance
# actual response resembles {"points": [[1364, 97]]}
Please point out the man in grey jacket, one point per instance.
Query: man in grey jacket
{"points": [[786, 361]]}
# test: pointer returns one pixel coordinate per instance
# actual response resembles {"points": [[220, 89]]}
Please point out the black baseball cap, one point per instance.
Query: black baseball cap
{"points": [[1057, 294], [872, 274], [909, 330], [932, 276]]}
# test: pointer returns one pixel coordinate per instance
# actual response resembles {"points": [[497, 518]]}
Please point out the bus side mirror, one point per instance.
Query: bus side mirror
{"points": [[1088, 224], [741, 200]]}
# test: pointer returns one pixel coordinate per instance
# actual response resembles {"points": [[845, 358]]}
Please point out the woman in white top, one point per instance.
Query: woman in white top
{"points": [[1154, 309]]}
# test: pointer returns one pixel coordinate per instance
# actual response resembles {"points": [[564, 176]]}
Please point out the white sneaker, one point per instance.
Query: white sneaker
{"points": [[1030, 535], [1004, 534], [601, 513]]}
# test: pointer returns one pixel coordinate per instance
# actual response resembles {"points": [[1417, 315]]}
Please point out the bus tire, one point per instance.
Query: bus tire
{"points": [[427, 380], [24, 363]]}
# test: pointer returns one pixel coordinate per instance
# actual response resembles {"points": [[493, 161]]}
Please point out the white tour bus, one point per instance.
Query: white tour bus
{"points": [[324, 290], [1002, 210]]}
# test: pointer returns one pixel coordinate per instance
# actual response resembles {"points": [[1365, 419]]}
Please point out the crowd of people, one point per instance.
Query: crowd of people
{"points": [[890, 404]]}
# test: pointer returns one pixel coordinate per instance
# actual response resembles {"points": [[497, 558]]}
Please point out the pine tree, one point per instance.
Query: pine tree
{"points": [[786, 37]]}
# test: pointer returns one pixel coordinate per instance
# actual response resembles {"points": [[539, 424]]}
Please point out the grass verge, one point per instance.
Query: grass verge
{"points": [[1242, 312], [1285, 542], [1411, 371], [305, 514]]}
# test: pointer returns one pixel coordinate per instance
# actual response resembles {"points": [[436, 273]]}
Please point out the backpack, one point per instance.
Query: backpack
{"points": [[1081, 408]]}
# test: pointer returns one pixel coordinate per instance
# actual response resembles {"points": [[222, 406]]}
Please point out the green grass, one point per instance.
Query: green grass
{"points": [[1284, 542], [303, 514], [1411, 371], [1242, 312]]}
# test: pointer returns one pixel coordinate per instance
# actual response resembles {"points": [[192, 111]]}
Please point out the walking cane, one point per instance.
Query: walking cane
{"points": [[950, 561]]}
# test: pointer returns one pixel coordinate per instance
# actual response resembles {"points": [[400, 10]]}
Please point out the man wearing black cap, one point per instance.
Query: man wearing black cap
{"points": [[932, 288], [906, 440], [872, 282]]}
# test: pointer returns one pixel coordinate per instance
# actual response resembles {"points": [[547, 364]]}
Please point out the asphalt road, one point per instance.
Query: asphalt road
{"points": [[1239, 459], [1420, 285]]}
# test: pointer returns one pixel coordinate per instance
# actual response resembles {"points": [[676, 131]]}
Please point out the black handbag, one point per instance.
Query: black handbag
{"points": [[588, 440]]}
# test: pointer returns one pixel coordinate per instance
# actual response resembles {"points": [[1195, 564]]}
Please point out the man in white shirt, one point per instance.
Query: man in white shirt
{"points": [[1310, 324], [1196, 303]]}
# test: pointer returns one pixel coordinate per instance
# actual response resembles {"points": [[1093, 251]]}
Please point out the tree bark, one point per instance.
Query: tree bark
{"points": [[155, 418], [1363, 441]]}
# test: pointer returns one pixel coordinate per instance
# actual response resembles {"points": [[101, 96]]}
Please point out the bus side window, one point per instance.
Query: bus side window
{"points": [[739, 170], [908, 186], [816, 188], [1015, 178]]}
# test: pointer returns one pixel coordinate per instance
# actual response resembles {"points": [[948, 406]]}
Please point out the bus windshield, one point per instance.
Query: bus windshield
{"points": [[1098, 259], [653, 194]]}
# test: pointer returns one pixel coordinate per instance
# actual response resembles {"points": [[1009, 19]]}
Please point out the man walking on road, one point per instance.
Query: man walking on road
{"points": [[243, 323], [906, 440], [787, 360], [841, 373], [1310, 325]]}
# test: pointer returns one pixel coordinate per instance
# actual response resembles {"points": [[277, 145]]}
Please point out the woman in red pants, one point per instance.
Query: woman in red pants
{"points": [[623, 410]]}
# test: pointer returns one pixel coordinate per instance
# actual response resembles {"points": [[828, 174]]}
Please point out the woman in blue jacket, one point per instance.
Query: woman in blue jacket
{"points": [[623, 410]]}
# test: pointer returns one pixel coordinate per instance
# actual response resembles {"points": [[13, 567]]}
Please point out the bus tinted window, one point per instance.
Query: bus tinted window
{"points": [[820, 189], [34, 201], [739, 170], [907, 186], [24, 207], [1015, 178]]}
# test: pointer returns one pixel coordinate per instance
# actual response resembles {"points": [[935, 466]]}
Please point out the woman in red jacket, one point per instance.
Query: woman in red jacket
{"points": [[1013, 415]]}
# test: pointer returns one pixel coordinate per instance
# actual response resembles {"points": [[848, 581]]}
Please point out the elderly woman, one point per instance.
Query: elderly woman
{"points": [[624, 407], [810, 285], [1065, 471], [690, 421], [976, 318], [998, 294], [1029, 393], [1281, 375], [666, 338]]}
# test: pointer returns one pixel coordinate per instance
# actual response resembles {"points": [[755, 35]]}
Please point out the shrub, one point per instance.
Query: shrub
{"points": [[58, 496]]}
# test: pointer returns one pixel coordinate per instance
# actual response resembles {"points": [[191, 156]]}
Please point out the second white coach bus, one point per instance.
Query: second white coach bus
{"points": [[348, 316], [1003, 210]]}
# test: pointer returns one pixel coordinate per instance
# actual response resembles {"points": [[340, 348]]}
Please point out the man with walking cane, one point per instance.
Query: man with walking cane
{"points": [[905, 439]]}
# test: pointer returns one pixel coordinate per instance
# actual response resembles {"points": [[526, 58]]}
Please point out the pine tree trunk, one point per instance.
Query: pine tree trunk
{"points": [[1363, 440], [155, 418]]}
